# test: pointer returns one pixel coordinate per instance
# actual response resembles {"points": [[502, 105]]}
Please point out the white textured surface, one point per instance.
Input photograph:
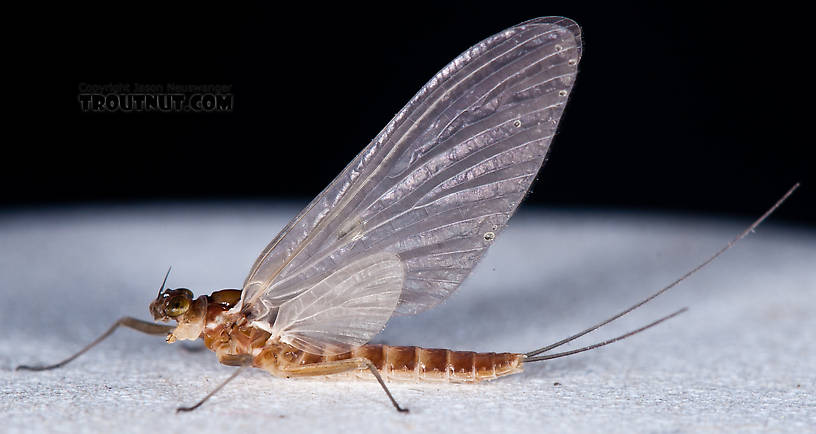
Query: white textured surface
{"points": [[742, 359]]}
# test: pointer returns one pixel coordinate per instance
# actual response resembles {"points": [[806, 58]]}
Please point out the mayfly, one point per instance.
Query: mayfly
{"points": [[399, 229]]}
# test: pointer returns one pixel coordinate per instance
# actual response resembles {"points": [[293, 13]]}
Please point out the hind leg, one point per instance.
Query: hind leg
{"points": [[339, 367]]}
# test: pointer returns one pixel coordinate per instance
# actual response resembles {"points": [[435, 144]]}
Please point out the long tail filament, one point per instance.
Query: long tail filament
{"points": [[531, 355]]}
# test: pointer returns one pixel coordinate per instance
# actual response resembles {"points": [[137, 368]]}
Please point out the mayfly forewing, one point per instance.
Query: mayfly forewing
{"points": [[438, 184]]}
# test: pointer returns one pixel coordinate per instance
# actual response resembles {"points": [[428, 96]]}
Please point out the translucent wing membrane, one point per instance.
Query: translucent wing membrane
{"points": [[436, 186], [344, 310]]}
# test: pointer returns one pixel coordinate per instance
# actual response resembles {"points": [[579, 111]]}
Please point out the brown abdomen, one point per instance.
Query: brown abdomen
{"points": [[433, 364]]}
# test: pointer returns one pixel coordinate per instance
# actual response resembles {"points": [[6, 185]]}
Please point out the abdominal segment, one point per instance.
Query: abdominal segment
{"points": [[393, 363]]}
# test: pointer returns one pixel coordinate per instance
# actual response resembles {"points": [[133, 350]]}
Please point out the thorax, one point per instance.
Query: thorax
{"points": [[230, 333]]}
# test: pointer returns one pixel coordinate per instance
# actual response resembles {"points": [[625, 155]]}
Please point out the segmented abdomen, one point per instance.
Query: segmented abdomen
{"points": [[418, 364]]}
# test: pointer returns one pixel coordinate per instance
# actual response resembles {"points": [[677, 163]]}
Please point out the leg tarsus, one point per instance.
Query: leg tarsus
{"points": [[219, 387], [130, 322], [376, 373]]}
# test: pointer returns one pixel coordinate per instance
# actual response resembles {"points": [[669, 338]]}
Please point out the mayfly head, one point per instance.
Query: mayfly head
{"points": [[171, 304]]}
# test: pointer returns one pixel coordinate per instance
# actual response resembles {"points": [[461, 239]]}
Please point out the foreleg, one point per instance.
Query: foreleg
{"points": [[129, 322]]}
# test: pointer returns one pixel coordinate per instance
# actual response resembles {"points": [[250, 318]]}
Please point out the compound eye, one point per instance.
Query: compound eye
{"points": [[176, 305], [185, 291]]}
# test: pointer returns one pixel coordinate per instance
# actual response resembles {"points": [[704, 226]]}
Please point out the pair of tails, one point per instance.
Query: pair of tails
{"points": [[533, 356]]}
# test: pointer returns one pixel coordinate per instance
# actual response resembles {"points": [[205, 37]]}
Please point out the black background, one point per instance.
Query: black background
{"points": [[677, 108]]}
